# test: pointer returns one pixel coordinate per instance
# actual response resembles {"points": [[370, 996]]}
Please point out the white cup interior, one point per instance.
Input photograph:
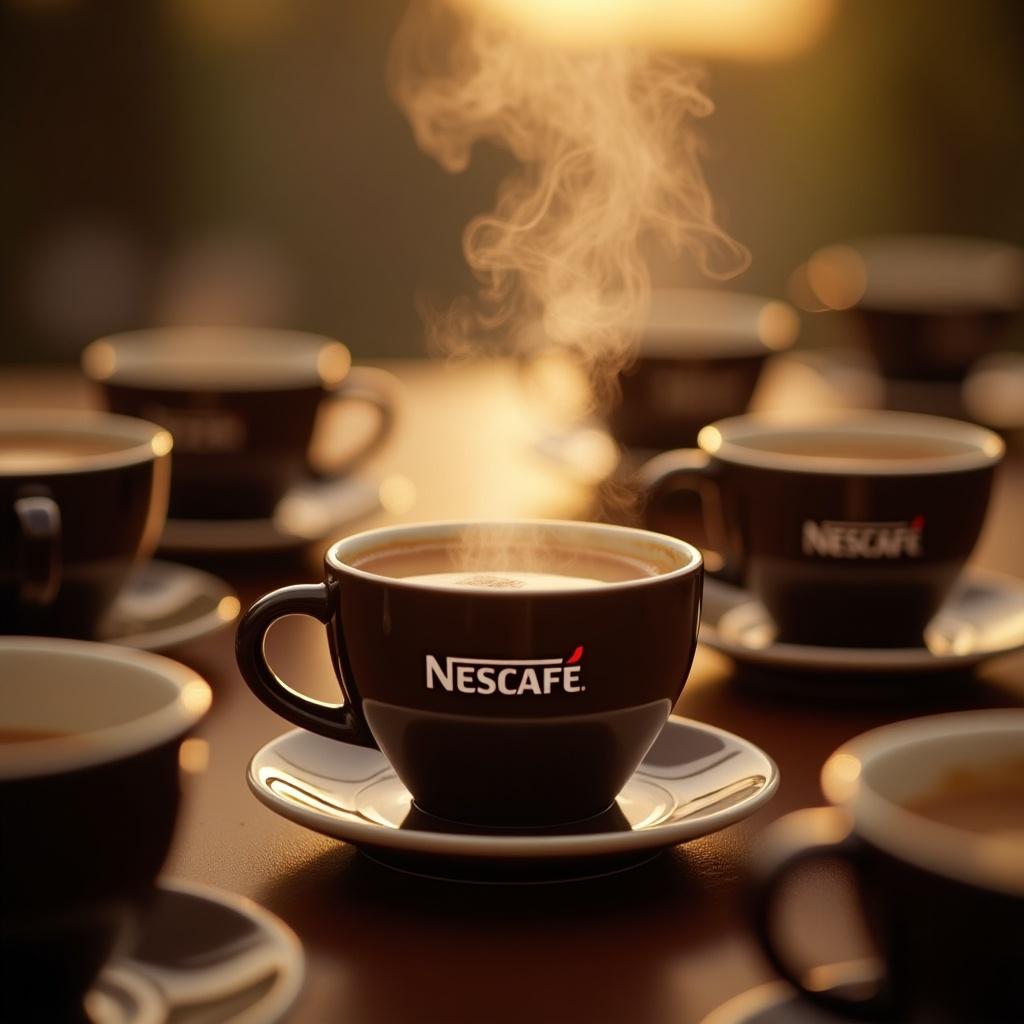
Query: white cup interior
{"points": [[106, 702], [760, 440], [878, 773], [219, 358]]}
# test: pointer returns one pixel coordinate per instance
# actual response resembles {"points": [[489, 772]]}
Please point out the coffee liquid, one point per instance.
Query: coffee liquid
{"points": [[41, 452], [989, 802], [28, 735], [516, 568], [857, 446]]}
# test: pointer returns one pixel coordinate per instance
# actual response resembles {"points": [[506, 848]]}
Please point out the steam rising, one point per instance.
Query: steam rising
{"points": [[607, 160]]}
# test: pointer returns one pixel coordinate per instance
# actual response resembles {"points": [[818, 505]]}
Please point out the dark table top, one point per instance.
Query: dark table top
{"points": [[662, 944]]}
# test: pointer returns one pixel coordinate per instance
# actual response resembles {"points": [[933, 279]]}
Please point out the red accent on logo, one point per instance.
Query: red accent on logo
{"points": [[575, 656], [917, 523]]}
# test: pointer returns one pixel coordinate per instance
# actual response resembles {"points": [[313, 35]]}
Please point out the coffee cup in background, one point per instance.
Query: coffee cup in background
{"points": [[929, 816], [513, 673], [89, 794], [699, 357], [242, 405], [851, 528], [83, 498], [927, 306]]}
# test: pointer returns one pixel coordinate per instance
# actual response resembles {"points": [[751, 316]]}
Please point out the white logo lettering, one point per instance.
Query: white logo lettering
{"points": [[832, 538], [510, 678]]}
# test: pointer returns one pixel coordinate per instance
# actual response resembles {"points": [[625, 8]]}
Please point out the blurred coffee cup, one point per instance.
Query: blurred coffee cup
{"points": [[699, 356], [83, 498], [89, 794], [851, 527], [242, 405], [926, 306], [928, 814]]}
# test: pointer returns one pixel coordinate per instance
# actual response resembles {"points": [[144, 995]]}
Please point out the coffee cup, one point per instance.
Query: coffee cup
{"points": [[928, 814], [512, 673], [926, 306], [242, 405], [851, 528], [89, 794], [83, 497], [699, 358]]}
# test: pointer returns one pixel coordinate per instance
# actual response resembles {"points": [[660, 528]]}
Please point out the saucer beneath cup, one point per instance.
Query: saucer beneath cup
{"points": [[164, 605], [695, 780], [779, 1003], [983, 617], [203, 956]]}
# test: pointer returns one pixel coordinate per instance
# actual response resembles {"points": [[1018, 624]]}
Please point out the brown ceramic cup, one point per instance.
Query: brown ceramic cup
{"points": [[89, 793], [242, 405], [851, 528], [699, 358], [496, 704], [943, 903], [83, 498], [927, 306]]}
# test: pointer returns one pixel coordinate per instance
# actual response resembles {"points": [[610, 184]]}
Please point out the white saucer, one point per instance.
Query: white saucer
{"points": [[695, 780], [777, 1002], [982, 618], [310, 511], [204, 956], [164, 605]]}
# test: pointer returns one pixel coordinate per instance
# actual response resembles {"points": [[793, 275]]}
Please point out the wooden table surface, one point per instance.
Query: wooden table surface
{"points": [[662, 944]]}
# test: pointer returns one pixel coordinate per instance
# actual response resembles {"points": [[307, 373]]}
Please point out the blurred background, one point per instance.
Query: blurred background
{"points": [[241, 161]]}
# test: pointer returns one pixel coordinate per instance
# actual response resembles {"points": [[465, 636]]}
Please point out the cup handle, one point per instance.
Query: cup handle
{"points": [[337, 721], [690, 469], [820, 833], [373, 387], [39, 549]]}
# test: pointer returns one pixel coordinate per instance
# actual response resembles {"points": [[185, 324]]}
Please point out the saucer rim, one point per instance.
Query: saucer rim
{"points": [[904, 660], [259, 534], [279, 999], [525, 847], [169, 638]]}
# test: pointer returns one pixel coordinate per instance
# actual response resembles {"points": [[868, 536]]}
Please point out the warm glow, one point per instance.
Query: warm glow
{"points": [[837, 277], [100, 360], [194, 756], [710, 439], [162, 443], [397, 494], [333, 362], [746, 29], [195, 695], [778, 325], [228, 609]]}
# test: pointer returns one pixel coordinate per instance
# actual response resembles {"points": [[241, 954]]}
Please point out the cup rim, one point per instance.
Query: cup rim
{"points": [[723, 440], [932, 846], [368, 539], [312, 359], [148, 441], [61, 755], [730, 325]]}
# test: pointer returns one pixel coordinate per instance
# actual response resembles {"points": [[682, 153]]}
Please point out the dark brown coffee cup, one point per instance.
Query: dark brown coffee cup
{"points": [[89, 793], [851, 528], [83, 498], [494, 701], [699, 358], [242, 405], [944, 904], [927, 306]]}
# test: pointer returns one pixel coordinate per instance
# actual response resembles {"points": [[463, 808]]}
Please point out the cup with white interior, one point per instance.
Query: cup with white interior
{"points": [[514, 673], [243, 405], [83, 498], [929, 816], [89, 794], [851, 528]]}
